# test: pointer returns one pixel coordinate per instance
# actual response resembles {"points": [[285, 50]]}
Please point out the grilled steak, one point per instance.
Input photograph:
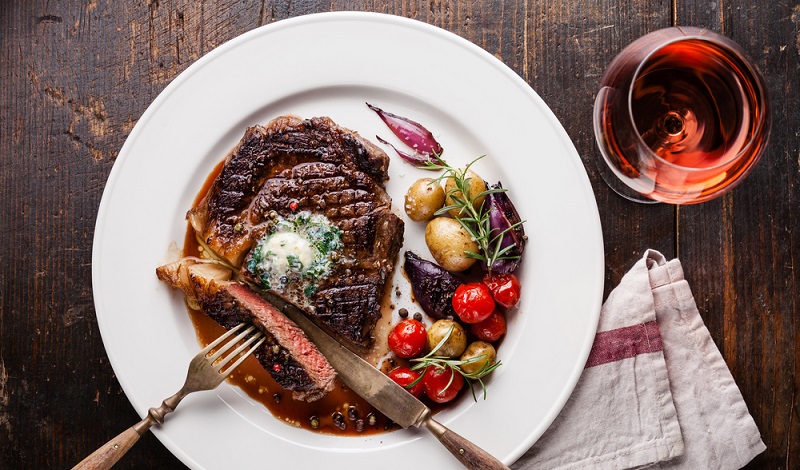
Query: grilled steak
{"points": [[292, 166], [287, 354]]}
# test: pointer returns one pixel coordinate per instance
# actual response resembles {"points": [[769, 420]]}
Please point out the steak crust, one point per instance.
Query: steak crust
{"points": [[293, 165]]}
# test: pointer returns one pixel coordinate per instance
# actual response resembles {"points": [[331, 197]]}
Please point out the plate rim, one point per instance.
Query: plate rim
{"points": [[446, 35]]}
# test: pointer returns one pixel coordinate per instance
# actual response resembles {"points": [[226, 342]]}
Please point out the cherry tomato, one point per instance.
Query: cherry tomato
{"points": [[408, 338], [473, 302], [491, 329], [404, 377], [435, 381], [505, 288]]}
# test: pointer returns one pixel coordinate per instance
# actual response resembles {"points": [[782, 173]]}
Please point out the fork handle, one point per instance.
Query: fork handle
{"points": [[107, 455]]}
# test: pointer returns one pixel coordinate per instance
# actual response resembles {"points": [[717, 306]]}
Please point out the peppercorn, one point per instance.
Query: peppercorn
{"points": [[403, 312], [314, 421], [338, 420], [352, 413], [418, 316]]}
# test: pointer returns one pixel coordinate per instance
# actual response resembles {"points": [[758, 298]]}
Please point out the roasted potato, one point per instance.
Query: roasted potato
{"points": [[455, 344], [447, 240], [423, 198], [476, 186], [475, 349]]}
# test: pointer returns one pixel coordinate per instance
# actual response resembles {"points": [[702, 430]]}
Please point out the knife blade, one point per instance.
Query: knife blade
{"points": [[383, 393]]}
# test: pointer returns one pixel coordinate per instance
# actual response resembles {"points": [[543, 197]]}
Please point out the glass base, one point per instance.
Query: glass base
{"points": [[613, 182]]}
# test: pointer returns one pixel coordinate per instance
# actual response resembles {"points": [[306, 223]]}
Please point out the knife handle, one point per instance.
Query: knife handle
{"points": [[470, 455]]}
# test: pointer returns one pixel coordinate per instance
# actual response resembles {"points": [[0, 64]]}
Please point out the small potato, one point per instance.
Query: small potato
{"points": [[447, 240], [478, 348], [454, 345], [423, 198], [476, 186]]}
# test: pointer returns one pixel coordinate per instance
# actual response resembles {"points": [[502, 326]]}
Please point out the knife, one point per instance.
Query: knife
{"points": [[383, 393]]}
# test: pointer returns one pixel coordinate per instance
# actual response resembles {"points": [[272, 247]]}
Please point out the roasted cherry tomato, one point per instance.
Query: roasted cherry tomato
{"points": [[408, 338], [491, 329], [473, 302], [404, 377], [505, 288], [435, 381]]}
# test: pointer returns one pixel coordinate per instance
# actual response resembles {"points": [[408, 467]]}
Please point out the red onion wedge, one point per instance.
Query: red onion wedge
{"points": [[412, 133], [416, 158], [433, 286], [503, 217]]}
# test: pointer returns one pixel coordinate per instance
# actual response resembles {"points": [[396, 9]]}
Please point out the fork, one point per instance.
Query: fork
{"points": [[203, 374]]}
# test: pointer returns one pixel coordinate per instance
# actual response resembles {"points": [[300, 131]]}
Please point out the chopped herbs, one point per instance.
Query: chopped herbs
{"points": [[293, 261], [298, 249]]}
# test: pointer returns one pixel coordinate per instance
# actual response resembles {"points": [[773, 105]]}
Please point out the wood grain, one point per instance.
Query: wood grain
{"points": [[739, 252], [76, 75]]}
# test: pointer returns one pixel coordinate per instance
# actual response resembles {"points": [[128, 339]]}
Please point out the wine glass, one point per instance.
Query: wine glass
{"points": [[682, 115]]}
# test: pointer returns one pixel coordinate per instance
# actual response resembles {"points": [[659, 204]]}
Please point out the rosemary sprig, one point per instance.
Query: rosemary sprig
{"points": [[442, 362], [474, 220]]}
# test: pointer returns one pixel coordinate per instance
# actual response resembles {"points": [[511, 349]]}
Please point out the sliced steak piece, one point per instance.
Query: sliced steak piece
{"points": [[292, 165], [287, 354]]}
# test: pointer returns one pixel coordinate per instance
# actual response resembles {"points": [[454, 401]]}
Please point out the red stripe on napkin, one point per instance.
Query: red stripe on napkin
{"points": [[622, 343]]}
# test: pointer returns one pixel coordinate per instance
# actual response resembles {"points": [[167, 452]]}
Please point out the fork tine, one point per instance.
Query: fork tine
{"points": [[244, 356], [229, 357], [222, 338], [231, 344]]}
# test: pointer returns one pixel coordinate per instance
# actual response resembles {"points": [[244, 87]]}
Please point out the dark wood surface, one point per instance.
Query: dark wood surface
{"points": [[76, 75]]}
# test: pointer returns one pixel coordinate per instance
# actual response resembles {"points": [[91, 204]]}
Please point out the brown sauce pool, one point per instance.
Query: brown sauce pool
{"points": [[340, 412]]}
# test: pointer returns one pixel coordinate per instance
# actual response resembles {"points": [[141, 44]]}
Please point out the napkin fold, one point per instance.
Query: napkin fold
{"points": [[655, 392]]}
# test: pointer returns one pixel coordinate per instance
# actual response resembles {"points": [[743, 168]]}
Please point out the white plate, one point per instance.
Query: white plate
{"points": [[330, 64]]}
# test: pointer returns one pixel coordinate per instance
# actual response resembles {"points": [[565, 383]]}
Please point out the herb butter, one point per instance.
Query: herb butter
{"points": [[296, 253]]}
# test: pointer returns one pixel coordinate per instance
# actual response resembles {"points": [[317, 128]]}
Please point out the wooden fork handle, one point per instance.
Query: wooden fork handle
{"points": [[105, 457]]}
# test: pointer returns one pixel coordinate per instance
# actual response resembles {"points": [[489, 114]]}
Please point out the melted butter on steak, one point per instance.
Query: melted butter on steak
{"points": [[295, 255]]}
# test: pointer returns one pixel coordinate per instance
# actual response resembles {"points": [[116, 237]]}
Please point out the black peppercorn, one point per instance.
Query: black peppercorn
{"points": [[338, 420]]}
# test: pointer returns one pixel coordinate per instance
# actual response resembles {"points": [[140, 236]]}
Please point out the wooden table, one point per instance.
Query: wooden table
{"points": [[76, 75]]}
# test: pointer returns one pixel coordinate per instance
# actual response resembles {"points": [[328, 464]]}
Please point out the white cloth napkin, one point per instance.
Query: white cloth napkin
{"points": [[655, 392]]}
